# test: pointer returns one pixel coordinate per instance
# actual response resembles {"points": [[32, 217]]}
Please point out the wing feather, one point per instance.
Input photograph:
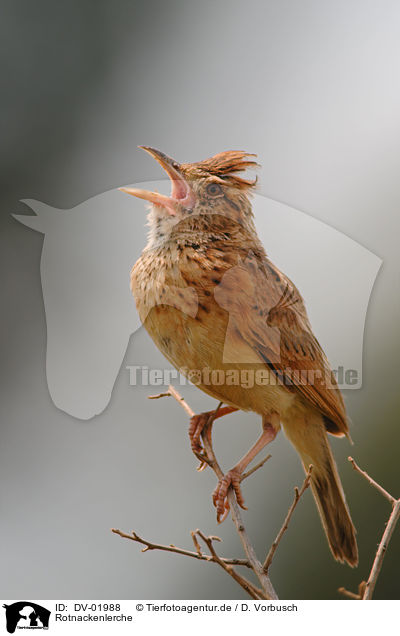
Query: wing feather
{"points": [[269, 313]]}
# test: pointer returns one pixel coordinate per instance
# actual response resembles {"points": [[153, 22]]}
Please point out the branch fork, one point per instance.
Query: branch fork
{"points": [[366, 588], [265, 590]]}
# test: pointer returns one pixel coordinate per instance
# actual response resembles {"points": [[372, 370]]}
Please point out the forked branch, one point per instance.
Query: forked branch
{"points": [[261, 571], [208, 458], [297, 495], [148, 545], [366, 588]]}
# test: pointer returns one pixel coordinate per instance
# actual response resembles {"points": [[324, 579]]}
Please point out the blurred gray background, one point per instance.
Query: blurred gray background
{"points": [[313, 88]]}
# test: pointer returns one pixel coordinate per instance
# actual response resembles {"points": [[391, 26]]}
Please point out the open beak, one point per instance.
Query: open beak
{"points": [[181, 192]]}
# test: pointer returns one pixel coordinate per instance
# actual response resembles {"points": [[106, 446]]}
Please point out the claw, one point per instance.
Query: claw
{"points": [[197, 425], [220, 494], [204, 461], [201, 425]]}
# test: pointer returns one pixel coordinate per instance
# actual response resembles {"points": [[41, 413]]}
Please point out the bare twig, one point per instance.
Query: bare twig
{"points": [[256, 467], [266, 591], [264, 579], [372, 481], [172, 548], [174, 393], [297, 495], [159, 395], [213, 557], [253, 591], [349, 594], [353, 595], [196, 543], [267, 587], [366, 588], [377, 564]]}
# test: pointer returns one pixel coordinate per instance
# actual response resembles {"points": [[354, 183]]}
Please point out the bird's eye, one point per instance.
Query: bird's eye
{"points": [[214, 189]]}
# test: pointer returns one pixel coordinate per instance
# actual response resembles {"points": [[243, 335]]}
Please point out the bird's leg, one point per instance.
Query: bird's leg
{"points": [[271, 426], [200, 422]]}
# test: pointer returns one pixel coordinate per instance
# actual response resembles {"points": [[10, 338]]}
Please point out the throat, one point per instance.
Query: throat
{"points": [[160, 225]]}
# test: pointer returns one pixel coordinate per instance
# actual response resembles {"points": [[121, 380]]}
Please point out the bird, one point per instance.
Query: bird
{"points": [[217, 306]]}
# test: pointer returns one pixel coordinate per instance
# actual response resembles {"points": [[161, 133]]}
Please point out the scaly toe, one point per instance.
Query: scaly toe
{"points": [[220, 494], [197, 424]]}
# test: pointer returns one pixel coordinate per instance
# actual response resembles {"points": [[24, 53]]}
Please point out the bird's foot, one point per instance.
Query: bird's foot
{"points": [[197, 425], [201, 426], [220, 494]]}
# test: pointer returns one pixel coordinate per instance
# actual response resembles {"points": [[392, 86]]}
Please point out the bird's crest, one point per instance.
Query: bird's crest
{"points": [[225, 166]]}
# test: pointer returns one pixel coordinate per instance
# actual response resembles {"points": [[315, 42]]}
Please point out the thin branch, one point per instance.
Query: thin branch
{"points": [[297, 495], [267, 587], [159, 395], [377, 564], [349, 594], [253, 591], [264, 579], [213, 557], [172, 548], [372, 481], [174, 393], [196, 543], [353, 595], [256, 467], [366, 589]]}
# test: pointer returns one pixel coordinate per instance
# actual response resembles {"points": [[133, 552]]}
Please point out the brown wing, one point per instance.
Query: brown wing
{"points": [[269, 313]]}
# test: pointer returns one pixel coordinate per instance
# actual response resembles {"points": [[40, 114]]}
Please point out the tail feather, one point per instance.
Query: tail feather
{"points": [[335, 515], [309, 437]]}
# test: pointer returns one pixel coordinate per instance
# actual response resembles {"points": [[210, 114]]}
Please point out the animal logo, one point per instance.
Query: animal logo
{"points": [[89, 250], [25, 615]]}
